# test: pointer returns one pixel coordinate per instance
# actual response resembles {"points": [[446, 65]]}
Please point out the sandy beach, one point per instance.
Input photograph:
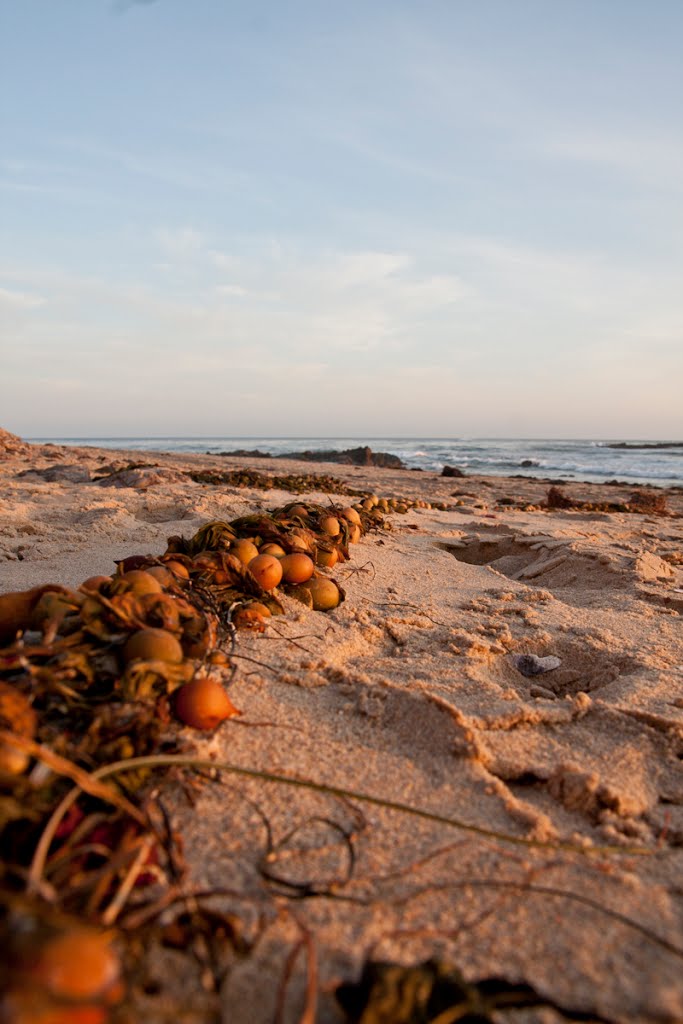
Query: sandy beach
{"points": [[512, 672]]}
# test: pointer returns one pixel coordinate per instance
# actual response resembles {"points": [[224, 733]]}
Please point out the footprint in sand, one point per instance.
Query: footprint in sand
{"points": [[577, 579], [163, 513]]}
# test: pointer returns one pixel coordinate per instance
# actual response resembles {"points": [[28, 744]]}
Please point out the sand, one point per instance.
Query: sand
{"points": [[409, 693]]}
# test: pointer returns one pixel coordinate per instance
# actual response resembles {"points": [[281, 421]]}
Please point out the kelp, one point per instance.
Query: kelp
{"points": [[435, 992], [69, 682], [638, 503], [296, 483]]}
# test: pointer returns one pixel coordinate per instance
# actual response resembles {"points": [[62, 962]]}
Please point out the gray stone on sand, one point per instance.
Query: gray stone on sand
{"points": [[531, 665]]}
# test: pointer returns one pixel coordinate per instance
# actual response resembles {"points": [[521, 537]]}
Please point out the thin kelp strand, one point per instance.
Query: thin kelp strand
{"points": [[161, 760]]}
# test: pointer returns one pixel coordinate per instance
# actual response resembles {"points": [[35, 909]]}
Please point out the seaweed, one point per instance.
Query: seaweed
{"points": [[638, 503], [435, 992], [297, 483]]}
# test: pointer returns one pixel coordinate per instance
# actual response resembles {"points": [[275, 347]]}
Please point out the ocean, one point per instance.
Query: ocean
{"points": [[595, 461]]}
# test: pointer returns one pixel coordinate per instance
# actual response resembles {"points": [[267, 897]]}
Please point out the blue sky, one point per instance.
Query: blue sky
{"points": [[432, 218]]}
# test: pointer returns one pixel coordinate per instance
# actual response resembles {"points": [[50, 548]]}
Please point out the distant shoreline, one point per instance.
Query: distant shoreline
{"points": [[647, 462]]}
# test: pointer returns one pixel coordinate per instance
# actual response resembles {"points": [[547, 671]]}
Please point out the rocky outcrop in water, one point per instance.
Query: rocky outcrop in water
{"points": [[635, 445], [246, 453], [363, 456]]}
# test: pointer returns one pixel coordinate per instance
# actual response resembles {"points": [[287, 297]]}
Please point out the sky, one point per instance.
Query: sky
{"points": [[430, 218]]}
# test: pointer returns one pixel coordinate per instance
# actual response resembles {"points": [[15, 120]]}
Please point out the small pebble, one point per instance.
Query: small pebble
{"points": [[532, 665], [542, 692]]}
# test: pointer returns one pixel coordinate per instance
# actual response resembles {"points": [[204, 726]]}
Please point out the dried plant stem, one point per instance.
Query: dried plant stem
{"points": [[549, 890], [87, 781], [311, 994], [116, 905], [188, 760], [309, 1013]]}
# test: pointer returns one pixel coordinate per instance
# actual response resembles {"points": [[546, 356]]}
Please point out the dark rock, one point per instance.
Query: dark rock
{"points": [[529, 462], [349, 457], [245, 453], [631, 445], [71, 473], [452, 471]]}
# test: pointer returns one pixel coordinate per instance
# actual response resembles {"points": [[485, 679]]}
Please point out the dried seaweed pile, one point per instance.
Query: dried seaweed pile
{"points": [[296, 483], [638, 503], [436, 993], [100, 674]]}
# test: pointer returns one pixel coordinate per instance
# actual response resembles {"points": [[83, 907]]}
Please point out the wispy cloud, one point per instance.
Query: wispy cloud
{"points": [[174, 168], [181, 242], [20, 300], [642, 156]]}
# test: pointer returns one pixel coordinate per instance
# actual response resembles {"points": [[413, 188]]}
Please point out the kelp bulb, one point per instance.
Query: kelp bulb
{"points": [[267, 570], [276, 550], [297, 568], [153, 645], [330, 526], [203, 704], [245, 550], [324, 592], [351, 516]]}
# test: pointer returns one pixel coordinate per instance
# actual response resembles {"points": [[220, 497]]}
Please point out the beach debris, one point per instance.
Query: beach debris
{"points": [[297, 483], [17, 716], [531, 665], [639, 503], [203, 704], [319, 593], [556, 498], [58, 970], [17, 609], [297, 567], [649, 502], [267, 570], [433, 991]]}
